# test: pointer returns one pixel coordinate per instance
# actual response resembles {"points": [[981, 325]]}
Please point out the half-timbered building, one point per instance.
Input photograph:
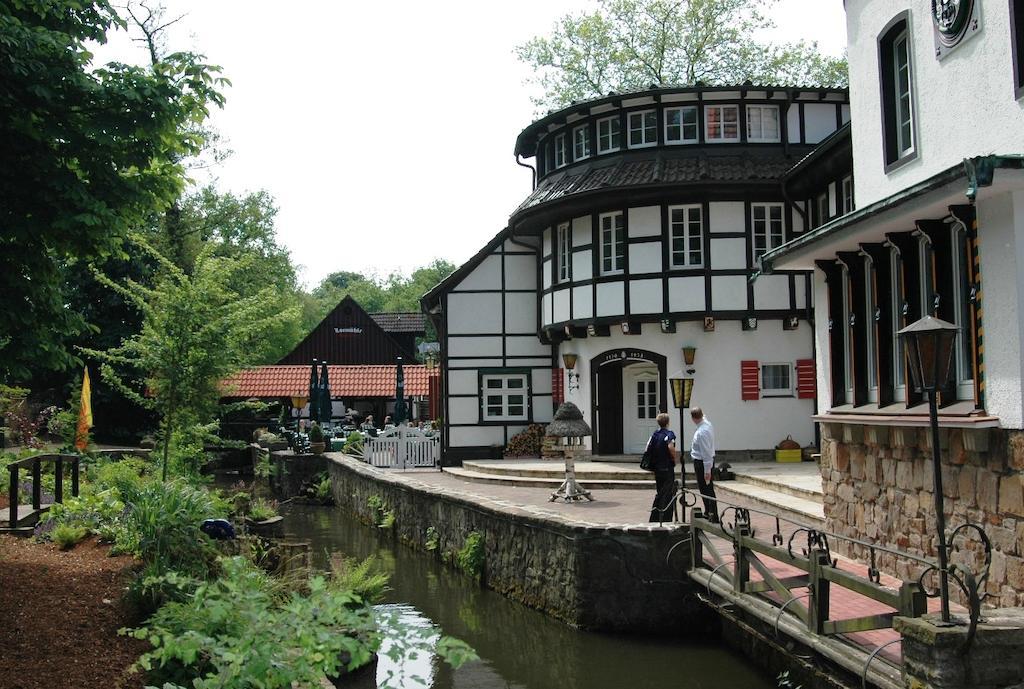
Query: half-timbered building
{"points": [[647, 218]]}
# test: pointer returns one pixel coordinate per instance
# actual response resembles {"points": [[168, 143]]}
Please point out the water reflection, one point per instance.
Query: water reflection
{"points": [[519, 648]]}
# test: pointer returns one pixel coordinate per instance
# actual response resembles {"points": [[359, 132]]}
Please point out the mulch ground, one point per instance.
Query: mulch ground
{"points": [[59, 616]]}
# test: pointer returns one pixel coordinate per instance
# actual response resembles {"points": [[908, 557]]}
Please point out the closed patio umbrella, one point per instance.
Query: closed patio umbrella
{"points": [[314, 394], [325, 395], [400, 407]]}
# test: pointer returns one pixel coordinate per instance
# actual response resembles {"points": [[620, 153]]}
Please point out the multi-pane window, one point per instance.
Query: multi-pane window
{"points": [[646, 399], [870, 309], [849, 321], [763, 123], [847, 195], [766, 221], [897, 295], [609, 136], [560, 152], [681, 125], [961, 297], [563, 258], [896, 74], [643, 128], [904, 103], [504, 397], [686, 227], [613, 243], [581, 142], [721, 123], [777, 380]]}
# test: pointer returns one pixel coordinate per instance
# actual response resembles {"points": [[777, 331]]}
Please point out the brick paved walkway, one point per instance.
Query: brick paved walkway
{"points": [[617, 507]]}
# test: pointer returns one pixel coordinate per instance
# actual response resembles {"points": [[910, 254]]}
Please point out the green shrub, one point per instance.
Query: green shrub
{"points": [[322, 492], [316, 434], [382, 515], [360, 577], [431, 543], [353, 443], [262, 509], [67, 536], [471, 557], [165, 519]]}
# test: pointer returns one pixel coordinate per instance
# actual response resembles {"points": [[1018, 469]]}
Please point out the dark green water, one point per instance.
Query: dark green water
{"points": [[519, 648]]}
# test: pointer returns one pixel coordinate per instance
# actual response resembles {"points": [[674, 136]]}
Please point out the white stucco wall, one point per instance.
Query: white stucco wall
{"points": [[965, 103], [1001, 248], [752, 425]]}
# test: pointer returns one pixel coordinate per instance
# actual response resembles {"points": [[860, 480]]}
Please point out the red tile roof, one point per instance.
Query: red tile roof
{"points": [[346, 381]]}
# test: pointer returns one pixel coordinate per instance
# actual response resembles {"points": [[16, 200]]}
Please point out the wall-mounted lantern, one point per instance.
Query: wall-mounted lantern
{"points": [[569, 360], [689, 354]]}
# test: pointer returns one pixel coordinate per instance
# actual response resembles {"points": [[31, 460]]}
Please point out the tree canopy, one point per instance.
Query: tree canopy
{"points": [[89, 153], [628, 45]]}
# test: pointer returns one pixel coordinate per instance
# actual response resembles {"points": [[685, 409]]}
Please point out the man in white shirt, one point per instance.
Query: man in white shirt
{"points": [[702, 451]]}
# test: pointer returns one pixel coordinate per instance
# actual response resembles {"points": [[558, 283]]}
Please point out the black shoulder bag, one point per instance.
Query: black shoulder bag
{"points": [[647, 460]]}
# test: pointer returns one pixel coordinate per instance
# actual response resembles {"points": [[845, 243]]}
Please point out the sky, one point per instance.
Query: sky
{"points": [[385, 130]]}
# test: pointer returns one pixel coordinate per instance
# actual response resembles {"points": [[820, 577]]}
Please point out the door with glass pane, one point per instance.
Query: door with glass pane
{"points": [[641, 393]]}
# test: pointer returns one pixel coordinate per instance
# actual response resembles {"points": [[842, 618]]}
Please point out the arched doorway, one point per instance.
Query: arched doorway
{"points": [[628, 389]]}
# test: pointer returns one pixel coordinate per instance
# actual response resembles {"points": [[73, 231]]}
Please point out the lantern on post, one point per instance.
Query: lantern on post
{"points": [[569, 360], [569, 424], [929, 346]]}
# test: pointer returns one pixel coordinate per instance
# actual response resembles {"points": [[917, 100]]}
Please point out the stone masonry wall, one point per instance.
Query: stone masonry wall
{"points": [[877, 485], [604, 578]]}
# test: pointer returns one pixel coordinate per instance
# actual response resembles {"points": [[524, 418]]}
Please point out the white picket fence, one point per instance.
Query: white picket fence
{"points": [[402, 448]]}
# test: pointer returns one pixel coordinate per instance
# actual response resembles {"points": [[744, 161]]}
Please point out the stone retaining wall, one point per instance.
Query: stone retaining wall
{"points": [[289, 472], [877, 485], [606, 578]]}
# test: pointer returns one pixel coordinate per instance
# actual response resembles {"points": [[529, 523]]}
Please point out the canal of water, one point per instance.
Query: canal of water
{"points": [[519, 648]]}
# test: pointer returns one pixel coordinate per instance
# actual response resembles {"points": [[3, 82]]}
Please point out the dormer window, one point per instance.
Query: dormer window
{"points": [[609, 135], [763, 123], [681, 125], [643, 128], [581, 142], [560, 159], [722, 123]]}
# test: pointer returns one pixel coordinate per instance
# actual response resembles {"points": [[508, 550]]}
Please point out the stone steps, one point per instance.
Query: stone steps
{"points": [[552, 482], [555, 469], [779, 480], [799, 509]]}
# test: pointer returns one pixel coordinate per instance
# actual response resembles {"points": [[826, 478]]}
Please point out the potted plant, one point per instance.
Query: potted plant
{"points": [[263, 518], [316, 439]]}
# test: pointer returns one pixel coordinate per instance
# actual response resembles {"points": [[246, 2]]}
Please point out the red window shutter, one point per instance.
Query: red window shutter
{"points": [[750, 380], [806, 384], [557, 385]]}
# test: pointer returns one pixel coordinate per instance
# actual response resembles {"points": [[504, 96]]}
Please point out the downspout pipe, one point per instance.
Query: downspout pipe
{"points": [[533, 172]]}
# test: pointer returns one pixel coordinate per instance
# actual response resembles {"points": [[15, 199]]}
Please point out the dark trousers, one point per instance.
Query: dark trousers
{"points": [[661, 509], [707, 490]]}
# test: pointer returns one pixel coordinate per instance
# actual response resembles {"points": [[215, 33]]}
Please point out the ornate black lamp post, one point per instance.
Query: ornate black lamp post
{"points": [[929, 346]]}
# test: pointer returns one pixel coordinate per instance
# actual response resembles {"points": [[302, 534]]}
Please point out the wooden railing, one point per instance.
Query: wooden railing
{"points": [[818, 572], [35, 464]]}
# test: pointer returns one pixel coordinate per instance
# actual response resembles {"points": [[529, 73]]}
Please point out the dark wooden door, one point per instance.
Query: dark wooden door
{"points": [[609, 409]]}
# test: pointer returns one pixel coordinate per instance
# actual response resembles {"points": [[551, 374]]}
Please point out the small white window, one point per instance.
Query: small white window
{"points": [[821, 205], [613, 243], [564, 257], [847, 195], [581, 143], [643, 128], [681, 125], [685, 228], [763, 123], [504, 397], [776, 380], [560, 160], [721, 123], [609, 136], [903, 98], [767, 224]]}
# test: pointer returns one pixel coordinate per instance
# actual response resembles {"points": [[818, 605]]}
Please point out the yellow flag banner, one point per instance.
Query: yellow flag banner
{"points": [[84, 413]]}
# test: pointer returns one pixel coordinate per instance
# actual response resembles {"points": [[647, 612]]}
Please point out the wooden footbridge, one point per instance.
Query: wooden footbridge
{"points": [[21, 518]]}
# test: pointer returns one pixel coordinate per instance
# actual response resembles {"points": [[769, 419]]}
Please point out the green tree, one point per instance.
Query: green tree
{"points": [[196, 331], [626, 45], [89, 153]]}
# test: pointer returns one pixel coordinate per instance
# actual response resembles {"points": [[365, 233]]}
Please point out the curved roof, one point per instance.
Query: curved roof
{"points": [[617, 173], [526, 142]]}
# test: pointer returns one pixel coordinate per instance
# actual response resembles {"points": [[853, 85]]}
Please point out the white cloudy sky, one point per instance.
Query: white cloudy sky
{"points": [[385, 130]]}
